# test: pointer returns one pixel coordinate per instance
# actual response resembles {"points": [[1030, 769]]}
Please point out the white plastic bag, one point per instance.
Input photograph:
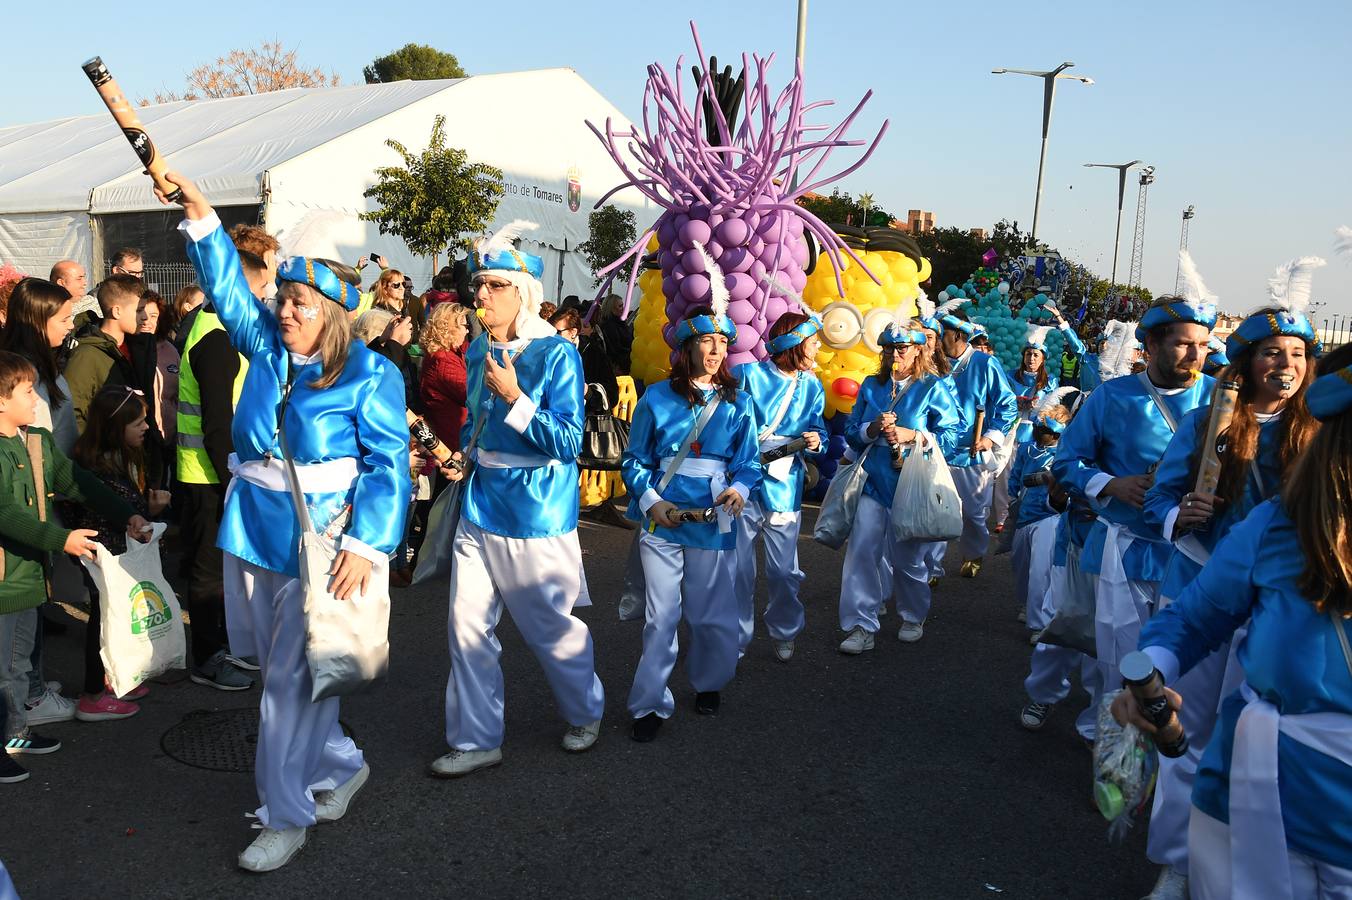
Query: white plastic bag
{"points": [[347, 641], [926, 506], [141, 628]]}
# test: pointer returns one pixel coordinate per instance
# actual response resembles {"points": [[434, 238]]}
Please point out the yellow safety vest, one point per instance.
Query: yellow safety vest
{"points": [[194, 465]]}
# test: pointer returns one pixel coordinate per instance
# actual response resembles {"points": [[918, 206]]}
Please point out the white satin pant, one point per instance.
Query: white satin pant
{"points": [[1031, 555], [537, 580], [784, 617], [974, 487], [1210, 873], [863, 590], [697, 585], [301, 746]]}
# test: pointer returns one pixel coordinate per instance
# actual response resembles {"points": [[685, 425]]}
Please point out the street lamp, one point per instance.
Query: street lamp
{"points": [[1121, 191], [1048, 94]]}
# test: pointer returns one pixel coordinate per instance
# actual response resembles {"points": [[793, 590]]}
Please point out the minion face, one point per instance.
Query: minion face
{"points": [[852, 325]]}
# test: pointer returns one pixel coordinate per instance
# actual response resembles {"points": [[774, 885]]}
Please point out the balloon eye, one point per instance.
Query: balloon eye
{"points": [[875, 321], [841, 325]]}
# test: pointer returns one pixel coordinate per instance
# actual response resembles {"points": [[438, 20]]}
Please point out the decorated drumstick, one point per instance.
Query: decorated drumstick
{"points": [[131, 126], [1222, 411], [783, 450], [976, 432]]}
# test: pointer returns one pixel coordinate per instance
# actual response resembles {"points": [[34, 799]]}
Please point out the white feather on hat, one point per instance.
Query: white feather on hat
{"points": [[312, 236], [1052, 398], [924, 305], [504, 238], [1036, 335], [775, 286], [1115, 360], [1289, 288], [718, 288], [1195, 291], [949, 306]]}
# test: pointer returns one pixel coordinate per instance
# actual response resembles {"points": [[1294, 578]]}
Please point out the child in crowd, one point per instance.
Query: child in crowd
{"points": [[1029, 483], [32, 469], [111, 449]]}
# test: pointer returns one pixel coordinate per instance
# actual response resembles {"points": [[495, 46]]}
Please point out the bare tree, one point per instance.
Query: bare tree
{"points": [[268, 67]]}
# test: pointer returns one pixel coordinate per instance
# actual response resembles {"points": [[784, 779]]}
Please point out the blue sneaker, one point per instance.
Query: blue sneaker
{"points": [[29, 742]]}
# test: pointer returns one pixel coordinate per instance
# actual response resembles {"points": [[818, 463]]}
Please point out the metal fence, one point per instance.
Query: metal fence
{"points": [[167, 279]]}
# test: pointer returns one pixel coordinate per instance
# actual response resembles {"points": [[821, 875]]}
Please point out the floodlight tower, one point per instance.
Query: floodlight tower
{"points": [[1183, 245], [1138, 239]]}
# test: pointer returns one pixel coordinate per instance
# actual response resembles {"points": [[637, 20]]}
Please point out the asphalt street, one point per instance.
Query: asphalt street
{"points": [[899, 773]]}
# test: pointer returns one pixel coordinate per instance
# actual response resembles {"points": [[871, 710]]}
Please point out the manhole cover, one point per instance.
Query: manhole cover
{"points": [[220, 740]]}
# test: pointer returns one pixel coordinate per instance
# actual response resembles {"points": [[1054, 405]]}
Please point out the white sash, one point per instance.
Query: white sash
{"points": [[1259, 862], [1117, 621], [713, 469], [501, 459], [315, 478]]}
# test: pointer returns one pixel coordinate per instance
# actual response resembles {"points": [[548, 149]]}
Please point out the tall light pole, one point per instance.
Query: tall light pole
{"points": [[800, 45], [1182, 245], [1048, 95], [1121, 192]]}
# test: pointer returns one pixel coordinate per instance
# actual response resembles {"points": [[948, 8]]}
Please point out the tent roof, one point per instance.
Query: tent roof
{"points": [[227, 144]]}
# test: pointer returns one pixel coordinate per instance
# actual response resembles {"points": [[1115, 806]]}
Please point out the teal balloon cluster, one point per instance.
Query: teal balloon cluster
{"points": [[1008, 328]]}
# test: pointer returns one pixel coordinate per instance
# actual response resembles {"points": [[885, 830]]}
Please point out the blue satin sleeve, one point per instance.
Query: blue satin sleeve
{"points": [[380, 501], [1016, 472], [1073, 341], [1002, 409], [555, 428], [250, 326], [860, 413], [1078, 452], [745, 466], [943, 419], [1171, 476], [639, 465]]}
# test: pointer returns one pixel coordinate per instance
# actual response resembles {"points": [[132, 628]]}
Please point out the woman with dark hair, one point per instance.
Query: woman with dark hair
{"points": [[903, 402], [788, 401], [692, 446], [1272, 355], [336, 409], [156, 317], [596, 365], [41, 319], [1273, 791]]}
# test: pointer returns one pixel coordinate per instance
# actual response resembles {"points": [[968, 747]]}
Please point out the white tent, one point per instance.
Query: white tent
{"points": [[306, 155]]}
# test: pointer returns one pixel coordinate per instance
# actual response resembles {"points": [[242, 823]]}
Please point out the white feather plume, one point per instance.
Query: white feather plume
{"points": [[924, 304], [1116, 358], [1194, 288], [1037, 335], [1290, 286], [1052, 398], [949, 306], [504, 238], [1342, 241], [775, 286], [718, 288], [313, 235]]}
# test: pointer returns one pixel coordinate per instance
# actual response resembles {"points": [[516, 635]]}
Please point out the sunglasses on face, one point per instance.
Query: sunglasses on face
{"points": [[131, 392]]}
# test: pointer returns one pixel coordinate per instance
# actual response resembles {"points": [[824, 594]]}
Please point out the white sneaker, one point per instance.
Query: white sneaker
{"points": [[580, 737], [330, 806], [1172, 885], [857, 641], [910, 632], [783, 650], [458, 763], [272, 849], [51, 708]]}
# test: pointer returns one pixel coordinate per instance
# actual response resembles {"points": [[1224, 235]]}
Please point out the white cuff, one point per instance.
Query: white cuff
{"points": [[649, 498], [196, 229], [1064, 326], [1096, 485], [996, 437], [863, 432], [1169, 522], [519, 416], [742, 489], [364, 550], [1164, 660]]}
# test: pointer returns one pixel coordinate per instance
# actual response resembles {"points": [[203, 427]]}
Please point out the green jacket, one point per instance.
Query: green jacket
{"points": [[96, 363], [26, 540]]}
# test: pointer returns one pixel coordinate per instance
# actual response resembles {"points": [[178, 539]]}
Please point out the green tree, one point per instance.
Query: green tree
{"points": [[612, 232], [953, 253], [842, 209], [413, 62], [436, 197]]}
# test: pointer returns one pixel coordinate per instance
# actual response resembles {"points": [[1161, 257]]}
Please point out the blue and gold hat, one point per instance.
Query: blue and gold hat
{"points": [[706, 324], [1289, 296], [1196, 312], [496, 252], [1215, 358], [1331, 394], [303, 270], [1036, 338], [795, 336], [900, 336]]}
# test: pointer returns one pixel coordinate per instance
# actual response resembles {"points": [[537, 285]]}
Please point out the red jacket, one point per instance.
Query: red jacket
{"points": [[442, 387]]}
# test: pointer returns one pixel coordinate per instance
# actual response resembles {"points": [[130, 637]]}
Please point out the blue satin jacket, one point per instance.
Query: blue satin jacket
{"points": [[360, 416], [662, 420], [1176, 475], [1118, 431], [766, 386], [1035, 506], [531, 490], [1024, 386], [977, 379], [1291, 658], [928, 405]]}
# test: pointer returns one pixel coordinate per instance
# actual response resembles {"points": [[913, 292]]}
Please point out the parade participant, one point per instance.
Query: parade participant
{"points": [[788, 404], [903, 402], [930, 325], [516, 545], [336, 409], [985, 403], [1031, 382], [1035, 534], [1108, 456], [692, 446], [1216, 359], [1273, 352], [1273, 791]]}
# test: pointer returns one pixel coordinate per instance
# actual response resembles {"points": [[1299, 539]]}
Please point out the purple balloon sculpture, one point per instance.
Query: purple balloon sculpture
{"points": [[735, 197]]}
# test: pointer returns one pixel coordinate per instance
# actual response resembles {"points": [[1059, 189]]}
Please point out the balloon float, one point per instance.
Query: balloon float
{"points": [[732, 189]]}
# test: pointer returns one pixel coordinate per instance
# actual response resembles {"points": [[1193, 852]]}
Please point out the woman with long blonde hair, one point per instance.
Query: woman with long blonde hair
{"points": [[389, 292], [905, 401]]}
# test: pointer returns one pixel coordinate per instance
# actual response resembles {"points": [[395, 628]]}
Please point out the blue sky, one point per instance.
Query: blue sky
{"points": [[1240, 105]]}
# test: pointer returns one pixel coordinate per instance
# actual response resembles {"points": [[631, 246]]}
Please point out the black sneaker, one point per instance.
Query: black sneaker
{"points": [[31, 742], [706, 703], [1034, 715], [645, 728], [247, 663], [10, 771]]}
